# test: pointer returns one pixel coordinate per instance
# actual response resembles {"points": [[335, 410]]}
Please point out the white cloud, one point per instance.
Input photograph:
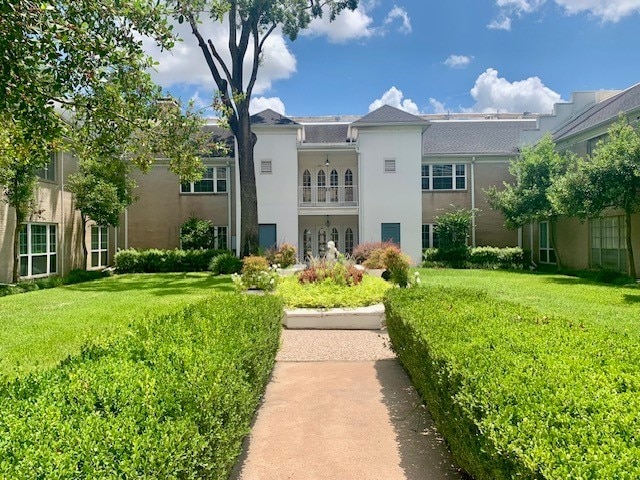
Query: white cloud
{"points": [[348, 25], [493, 93], [258, 104], [500, 24], [395, 98], [185, 64], [606, 10], [402, 14], [458, 61], [436, 106]]}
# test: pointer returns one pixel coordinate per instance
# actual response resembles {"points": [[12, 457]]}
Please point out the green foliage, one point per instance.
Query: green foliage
{"points": [[173, 398], [453, 231], [256, 274], [338, 273], [329, 294], [159, 261], [517, 393], [397, 265], [197, 233], [365, 250], [535, 171], [225, 264], [284, 256], [493, 257], [75, 276]]}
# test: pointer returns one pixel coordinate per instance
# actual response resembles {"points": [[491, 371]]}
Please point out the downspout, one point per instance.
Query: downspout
{"points": [[126, 228], [229, 193], [62, 216], [238, 202], [360, 198], [473, 201]]}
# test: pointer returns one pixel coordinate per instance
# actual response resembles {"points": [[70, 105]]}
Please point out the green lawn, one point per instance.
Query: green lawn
{"points": [[617, 307], [39, 329]]}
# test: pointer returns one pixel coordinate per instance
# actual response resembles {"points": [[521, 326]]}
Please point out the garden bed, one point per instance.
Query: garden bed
{"points": [[359, 318]]}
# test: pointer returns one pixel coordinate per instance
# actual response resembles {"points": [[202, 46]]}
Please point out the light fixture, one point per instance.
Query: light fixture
{"points": [[327, 161], [327, 222]]}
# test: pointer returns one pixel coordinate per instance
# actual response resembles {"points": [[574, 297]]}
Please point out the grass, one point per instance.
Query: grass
{"points": [[329, 295], [39, 329], [614, 307]]}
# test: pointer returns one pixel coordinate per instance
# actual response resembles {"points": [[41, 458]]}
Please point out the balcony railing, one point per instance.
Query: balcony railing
{"points": [[327, 197]]}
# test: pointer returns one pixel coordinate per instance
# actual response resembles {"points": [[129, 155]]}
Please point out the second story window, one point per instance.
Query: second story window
{"points": [[444, 176], [48, 172], [214, 180]]}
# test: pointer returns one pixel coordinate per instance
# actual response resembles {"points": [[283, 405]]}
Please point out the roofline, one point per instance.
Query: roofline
{"points": [[496, 154], [322, 147], [593, 127]]}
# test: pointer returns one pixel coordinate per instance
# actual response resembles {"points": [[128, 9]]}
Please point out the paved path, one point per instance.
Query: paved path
{"points": [[339, 406]]}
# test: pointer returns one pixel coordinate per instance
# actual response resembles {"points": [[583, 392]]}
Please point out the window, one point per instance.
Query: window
{"points": [[266, 167], [335, 237], [547, 254], [322, 183], [348, 241], [444, 176], [214, 180], [333, 182], [38, 249], [390, 232], [48, 172], [429, 236], [322, 242], [348, 185], [306, 186], [389, 165], [220, 238], [307, 247], [592, 143], [608, 243], [99, 246]]}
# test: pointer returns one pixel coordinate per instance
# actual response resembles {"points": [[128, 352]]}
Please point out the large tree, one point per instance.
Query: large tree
{"points": [[528, 200], [250, 23], [610, 179], [70, 63]]}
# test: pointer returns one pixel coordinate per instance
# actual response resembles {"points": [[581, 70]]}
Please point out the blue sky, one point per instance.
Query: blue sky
{"points": [[429, 56]]}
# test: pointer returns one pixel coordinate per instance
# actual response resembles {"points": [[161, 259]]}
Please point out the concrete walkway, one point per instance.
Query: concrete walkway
{"points": [[339, 406]]}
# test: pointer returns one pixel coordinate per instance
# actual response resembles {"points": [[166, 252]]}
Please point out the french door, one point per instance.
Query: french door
{"points": [[313, 239]]}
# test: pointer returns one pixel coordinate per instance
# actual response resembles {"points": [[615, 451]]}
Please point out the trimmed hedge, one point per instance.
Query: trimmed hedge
{"points": [[74, 276], [164, 261], [510, 258], [171, 399], [518, 394]]}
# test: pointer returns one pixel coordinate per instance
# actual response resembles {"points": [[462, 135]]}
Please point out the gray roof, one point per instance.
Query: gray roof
{"points": [[336, 133], [269, 117], [601, 112], [223, 136], [496, 137], [387, 114]]}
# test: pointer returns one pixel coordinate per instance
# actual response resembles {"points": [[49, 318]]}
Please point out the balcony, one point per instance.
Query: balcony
{"points": [[339, 199]]}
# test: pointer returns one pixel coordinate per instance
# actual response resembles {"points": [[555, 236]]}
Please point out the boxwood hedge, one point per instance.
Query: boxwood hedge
{"points": [[518, 394], [173, 398], [162, 261]]}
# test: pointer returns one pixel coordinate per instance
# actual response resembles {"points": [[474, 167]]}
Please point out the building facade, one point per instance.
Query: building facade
{"points": [[383, 176]]}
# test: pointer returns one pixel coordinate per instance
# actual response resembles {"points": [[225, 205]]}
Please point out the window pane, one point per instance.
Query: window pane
{"points": [[53, 239], [221, 186], [53, 263], [38, 239], [425, 236], [185, 187], [103, 259], [94, 238], [23, 240], [460, 170], [95, 257], [38, 265], [436, 240], [203, 186], [442, 183], [543, 235], [442, 170], [461, 184], [103, 238], [24, 264]]}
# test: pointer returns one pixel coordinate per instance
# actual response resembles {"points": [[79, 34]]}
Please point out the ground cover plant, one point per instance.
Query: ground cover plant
{"points": [[172, 397], [328, 294], [520, 387], [39, 329]]}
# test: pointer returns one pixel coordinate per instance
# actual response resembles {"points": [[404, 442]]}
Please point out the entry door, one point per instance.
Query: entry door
{"points": [[314, 239]]}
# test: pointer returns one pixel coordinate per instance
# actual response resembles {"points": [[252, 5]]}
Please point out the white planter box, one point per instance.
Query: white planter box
{"points": [[362, 318]]}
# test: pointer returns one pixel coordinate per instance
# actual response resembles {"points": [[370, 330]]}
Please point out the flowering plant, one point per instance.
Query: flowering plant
{"points": [[256, 274]]}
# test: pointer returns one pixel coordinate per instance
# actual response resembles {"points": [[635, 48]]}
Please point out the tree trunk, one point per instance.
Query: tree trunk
{"points": [[15, 273], [248, 196], [85, 250], [554, 240], [630, 257]]}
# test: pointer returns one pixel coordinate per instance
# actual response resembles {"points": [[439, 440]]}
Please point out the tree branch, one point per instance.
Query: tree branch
{"points": [[257, 51]]}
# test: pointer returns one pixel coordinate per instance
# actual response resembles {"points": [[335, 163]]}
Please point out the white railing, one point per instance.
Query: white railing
{"points": [[323, 197]]}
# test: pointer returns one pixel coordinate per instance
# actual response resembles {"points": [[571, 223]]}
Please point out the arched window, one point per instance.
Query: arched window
{"points": [[335, 237], [348, 241], [322, 242], [333, 182], [322, 186], [306, 186], [306, 244], [348, 185]]}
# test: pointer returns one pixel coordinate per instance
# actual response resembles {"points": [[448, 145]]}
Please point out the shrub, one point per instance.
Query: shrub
{"points": [[329, 294], [363, 251], [340, 273], [256, 274], [284, 256], [397, 265], [197, 234], [493, 257], [225, 264], [518, 394], [164, 261], [453, 231], [173, 398], [74, 276]]}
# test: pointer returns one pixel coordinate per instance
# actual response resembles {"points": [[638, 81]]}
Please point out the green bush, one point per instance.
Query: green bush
{"points": [[225, 264], [197, 234], [172, 399], [74, 276], [518, 394], [256, 274], [164, 261], [494, 257], [284, 256], [329, 294]]}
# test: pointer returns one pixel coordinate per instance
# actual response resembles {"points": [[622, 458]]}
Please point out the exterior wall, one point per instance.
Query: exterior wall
{"points": [[154, 219], [53, 205], [391, 197], [484, 172], [278, 191]]}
